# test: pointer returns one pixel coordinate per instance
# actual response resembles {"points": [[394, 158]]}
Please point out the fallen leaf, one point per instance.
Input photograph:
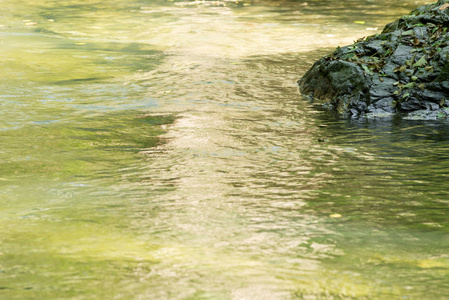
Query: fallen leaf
{"points": [[409, 32], [444, 6], [422, 61], [335, 216], [367, 70]]}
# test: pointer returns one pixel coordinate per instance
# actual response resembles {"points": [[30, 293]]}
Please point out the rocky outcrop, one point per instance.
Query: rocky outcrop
{"points": [[404, 70]]}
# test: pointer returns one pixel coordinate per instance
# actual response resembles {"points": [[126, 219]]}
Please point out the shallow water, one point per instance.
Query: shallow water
{"points": [[160, 150]]}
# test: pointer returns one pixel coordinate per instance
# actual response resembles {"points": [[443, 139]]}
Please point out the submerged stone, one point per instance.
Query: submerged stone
{"points": [[403, 70]]}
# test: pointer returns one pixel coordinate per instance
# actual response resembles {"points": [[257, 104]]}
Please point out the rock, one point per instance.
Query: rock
{"points": [[403, 70]]}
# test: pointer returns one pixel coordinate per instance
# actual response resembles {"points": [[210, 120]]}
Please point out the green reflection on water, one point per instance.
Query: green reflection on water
{"points": [[64, 196], [76, 149], [43, 58]]}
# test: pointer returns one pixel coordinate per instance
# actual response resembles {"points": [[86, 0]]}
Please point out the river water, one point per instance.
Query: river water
{"points": [[160, 150]]}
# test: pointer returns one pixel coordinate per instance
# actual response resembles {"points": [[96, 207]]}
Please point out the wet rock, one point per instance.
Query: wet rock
{"points": [[403, 70]]}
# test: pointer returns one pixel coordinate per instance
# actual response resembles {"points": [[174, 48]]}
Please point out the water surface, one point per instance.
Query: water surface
{"points": [[160, 150]]}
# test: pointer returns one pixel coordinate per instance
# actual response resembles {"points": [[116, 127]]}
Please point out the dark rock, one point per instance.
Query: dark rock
{"points": [[404, 70]]}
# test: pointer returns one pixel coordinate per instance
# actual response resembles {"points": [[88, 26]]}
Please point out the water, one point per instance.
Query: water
{"points": [[160, 150]]}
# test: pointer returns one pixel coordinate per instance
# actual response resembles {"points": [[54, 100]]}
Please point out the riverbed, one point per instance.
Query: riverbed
{"points": [[160, 150]]}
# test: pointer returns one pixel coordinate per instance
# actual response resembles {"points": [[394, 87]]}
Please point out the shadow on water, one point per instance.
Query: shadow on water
{"points": [[376, 185], [81, 80], [386, 193]]}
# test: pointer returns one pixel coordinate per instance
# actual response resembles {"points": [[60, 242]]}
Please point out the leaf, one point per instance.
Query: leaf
{"points": [[408, 32], [414, 78], [409, 85], [335, 216], [442, 101], [359, 22], [349, 56], [367, 70], [422, 61], [444, 6], [417, 50], [401, 68], [409, 72]]}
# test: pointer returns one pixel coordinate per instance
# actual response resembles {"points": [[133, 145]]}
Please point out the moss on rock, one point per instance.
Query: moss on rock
{"points": [[402, 70]]}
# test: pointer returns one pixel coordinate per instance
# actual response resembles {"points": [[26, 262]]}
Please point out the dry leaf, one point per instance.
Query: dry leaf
{"points": [[444, 6], [335, 216]]}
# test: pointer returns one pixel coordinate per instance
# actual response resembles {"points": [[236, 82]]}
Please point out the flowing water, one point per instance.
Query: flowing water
{"points": [[160, 150]]}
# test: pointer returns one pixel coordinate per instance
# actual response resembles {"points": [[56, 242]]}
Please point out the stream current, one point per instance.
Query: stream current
{"points": [[160, 150]]}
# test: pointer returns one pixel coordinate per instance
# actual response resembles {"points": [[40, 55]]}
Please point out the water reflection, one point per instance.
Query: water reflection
{"points": [[159, 151]]}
